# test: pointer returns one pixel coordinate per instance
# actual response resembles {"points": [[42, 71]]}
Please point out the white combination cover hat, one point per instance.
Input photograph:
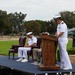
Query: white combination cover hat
{"points": [[57, 16], [29, 33]]}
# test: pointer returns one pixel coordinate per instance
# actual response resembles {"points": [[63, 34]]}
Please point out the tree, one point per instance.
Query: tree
{"points": [[69, 18], [4, 22], [16, 20], [33, 26], [51, 27], [43, 25]]}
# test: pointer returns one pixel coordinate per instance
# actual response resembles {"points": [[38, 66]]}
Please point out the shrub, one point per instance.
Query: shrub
{"points": [[71, 50]]}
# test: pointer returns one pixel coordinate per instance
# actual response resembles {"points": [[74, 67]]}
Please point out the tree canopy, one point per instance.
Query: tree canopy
{"points": [[12, 22], [69, 18], [15, 23]]}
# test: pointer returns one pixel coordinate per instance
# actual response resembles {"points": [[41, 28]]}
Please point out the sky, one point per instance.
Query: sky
{"points": [[37, 9]]}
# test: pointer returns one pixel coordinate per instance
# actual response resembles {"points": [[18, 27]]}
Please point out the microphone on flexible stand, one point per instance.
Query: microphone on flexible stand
{"points": [[47, 27], [47, 30]]}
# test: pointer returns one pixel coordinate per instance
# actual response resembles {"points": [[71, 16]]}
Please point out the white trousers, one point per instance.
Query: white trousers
{"points": [[22, 51], [64, 58]]}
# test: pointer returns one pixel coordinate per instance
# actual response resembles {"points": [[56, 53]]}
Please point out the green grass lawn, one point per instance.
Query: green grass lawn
{"points": [[69, 45], [6, 45]]}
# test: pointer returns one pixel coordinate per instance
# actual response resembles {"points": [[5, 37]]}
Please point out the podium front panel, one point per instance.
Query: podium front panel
{"points": [[48, 50]]}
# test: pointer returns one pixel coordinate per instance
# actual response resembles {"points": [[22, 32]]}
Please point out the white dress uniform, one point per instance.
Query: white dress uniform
{"points": [[22, 51], [62, 41]]}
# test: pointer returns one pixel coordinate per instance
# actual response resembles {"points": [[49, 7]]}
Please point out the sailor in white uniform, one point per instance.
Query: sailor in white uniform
{"points": [[32, 41], [62, 36]]}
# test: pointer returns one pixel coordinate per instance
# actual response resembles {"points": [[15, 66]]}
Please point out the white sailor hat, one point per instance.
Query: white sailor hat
{"points": [[57, 16], [29, 33]]}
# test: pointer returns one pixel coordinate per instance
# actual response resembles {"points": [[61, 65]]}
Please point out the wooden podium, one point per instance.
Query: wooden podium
{"points": [[49, 45]]}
